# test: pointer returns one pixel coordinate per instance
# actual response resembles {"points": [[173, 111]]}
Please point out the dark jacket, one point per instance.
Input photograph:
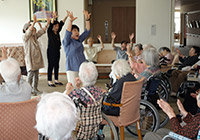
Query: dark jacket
{"points": [[188, 61]]}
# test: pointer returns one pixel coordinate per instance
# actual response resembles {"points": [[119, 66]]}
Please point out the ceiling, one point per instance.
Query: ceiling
{"points": [[180, 3]]}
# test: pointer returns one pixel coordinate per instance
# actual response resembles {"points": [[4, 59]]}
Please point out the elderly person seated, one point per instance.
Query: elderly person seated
{"points": [[178, 76], [13, 90], [150, 59], [165, 55], [189, 130], [87, 76], [88, 94], [136, 61], [122, 71], [56, 116]]}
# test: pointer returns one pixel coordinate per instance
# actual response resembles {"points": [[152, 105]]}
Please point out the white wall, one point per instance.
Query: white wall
{"points": [[155, 12], [15, 13]]}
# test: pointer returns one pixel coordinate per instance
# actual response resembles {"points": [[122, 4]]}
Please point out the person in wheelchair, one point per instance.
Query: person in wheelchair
{"points": [[56, 117], [189, 130], [178, 76], [165, 55], [150, 59], [191, 88]]}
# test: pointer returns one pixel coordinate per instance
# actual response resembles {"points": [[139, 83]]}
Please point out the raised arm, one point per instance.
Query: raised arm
{"points": [[65, 18], [34, 21], [131, 36], [48, 22], [4, 53], [72, 18], [55, 16], [87, 19], [113, 36], [100, 40]]}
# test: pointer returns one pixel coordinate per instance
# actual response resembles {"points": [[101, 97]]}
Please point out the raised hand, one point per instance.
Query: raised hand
{"points": [[68, 12], [87, 15], [166, 108], [128, 48], [48, 20], [55, 15], [78, 82], [72, 18], [99, 37], [34, 19], [181, 108], [113, 35], [4, 53], [131, 36], [69, 87]]}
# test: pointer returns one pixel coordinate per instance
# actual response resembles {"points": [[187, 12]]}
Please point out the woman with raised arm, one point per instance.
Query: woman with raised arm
{"points": [[73, 46], [53, 51]]}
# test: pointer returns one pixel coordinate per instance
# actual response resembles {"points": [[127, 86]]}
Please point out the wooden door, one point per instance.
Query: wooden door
{"points": [[123, 22]]}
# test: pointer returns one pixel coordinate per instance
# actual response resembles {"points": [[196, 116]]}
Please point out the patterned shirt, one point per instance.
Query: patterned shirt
{"points": [[96, 92], [191, 128]]}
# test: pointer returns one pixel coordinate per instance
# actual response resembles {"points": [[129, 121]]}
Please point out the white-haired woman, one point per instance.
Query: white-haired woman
{"points": [[87, 76], [150, 59], [56, 116], [122, 71], [13, 90]]}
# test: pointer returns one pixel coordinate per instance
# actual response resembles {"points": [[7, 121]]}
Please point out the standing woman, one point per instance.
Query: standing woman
{"points": [[73, 46], [53, 51]]}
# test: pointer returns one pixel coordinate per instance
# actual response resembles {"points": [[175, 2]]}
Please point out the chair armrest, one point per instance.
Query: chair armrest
{"points": [[111, 104]]}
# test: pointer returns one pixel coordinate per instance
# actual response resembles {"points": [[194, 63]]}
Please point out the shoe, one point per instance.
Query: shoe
{"points": [[51, 85], [58, 83], [36, 92]]}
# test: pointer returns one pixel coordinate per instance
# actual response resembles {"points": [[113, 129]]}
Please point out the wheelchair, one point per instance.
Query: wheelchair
{"points": [[151, 116]]}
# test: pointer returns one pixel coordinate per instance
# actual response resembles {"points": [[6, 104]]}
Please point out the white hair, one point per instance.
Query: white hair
{"points": [[121, 67], [10, 70], [150, 56], [88, 73], [56, 116], [146, 46]]}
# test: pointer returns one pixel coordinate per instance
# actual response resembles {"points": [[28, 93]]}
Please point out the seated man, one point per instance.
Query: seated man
{"points": [[91, 52], [179, 76], [56, 116], [189, 130], [13, 90]]}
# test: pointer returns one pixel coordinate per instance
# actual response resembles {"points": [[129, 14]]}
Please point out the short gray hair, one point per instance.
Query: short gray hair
{"points": [[88, 73], [121, 67], [146, 46], [56, 116], [10, 70], [150, 56]]}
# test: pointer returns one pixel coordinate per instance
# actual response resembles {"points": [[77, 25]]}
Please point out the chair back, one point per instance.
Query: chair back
{"points": [[130, 100], [17, 120]]}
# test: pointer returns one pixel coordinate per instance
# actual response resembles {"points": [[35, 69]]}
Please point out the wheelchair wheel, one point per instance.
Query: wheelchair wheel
{"points": [[163, 118], [162, 91], [149, 119], [168, 85], [107, 129]]}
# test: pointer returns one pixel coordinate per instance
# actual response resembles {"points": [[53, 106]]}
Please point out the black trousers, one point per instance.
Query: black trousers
{"points": [[53, 57]]}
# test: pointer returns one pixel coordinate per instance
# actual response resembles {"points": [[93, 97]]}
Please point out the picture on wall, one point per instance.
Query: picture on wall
{"points": [[42, 9]]}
